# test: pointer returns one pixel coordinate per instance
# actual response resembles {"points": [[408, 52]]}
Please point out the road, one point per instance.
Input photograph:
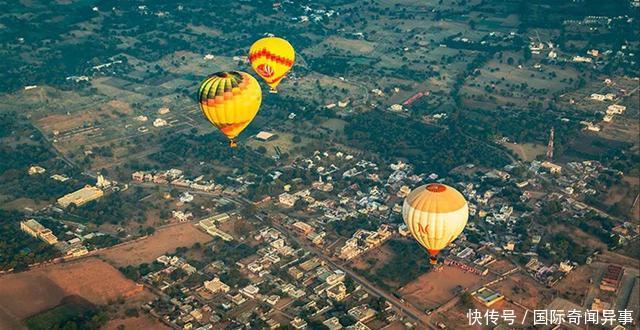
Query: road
{"points": [[407, 310], [404, 308]]}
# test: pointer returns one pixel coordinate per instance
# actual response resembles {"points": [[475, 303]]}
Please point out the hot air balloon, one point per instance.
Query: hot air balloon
{"points": [[435, 214], [230, 100], [272, 58]]}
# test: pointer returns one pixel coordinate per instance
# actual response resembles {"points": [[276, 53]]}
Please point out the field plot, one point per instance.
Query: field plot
{"points": [[26, 294], [437, 287], [574, 287], [140, 322], [526, 151], [148, 249], [524, 290]]}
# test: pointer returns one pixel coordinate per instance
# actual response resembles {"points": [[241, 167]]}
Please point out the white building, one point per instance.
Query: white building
{"points": [[215, 286], [159, 122]]}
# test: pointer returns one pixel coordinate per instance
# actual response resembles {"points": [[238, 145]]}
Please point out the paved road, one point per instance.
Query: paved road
{"points": [[404, 308]]}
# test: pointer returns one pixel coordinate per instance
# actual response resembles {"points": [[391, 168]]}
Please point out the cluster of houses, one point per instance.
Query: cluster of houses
{"points": [[549, 274], [364, 240], [280, 278], [71, 246], [176, 178]]}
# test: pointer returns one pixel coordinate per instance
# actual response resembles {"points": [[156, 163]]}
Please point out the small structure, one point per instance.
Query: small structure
{"points": [[33, 170], [611, 279], [553, 168], [215, 286], [264, 136], [159, 122], [487, 296]]}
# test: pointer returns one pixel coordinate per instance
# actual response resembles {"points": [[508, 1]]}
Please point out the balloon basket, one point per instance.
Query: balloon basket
{"points": [[433, 260], [273, 91]]}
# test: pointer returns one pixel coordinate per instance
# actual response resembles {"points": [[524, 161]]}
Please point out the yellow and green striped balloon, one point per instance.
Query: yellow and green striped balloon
{"points": [[230, 100]]}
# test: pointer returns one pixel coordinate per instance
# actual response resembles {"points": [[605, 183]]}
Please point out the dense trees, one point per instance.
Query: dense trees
{"points": [[402, 270], [18, 249], [430, 148]]}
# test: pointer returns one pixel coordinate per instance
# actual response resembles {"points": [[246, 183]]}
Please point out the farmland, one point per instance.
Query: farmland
{"points": [[25, 294], [146, 250]]}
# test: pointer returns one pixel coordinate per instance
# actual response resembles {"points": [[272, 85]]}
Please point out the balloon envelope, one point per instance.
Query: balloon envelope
{"points": [[435, 214], [272, 58], [230, 100]]}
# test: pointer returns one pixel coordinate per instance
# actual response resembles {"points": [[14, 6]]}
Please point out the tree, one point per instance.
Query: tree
{"points": [[466, 300]]}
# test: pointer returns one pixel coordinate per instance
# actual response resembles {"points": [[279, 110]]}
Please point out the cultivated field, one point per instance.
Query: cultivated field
{"points": [[437, 287], [164, 240], [29, 293]]}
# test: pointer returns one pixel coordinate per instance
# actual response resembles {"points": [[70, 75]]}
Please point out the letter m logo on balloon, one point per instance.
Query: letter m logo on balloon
{"points": [[423, 229]]}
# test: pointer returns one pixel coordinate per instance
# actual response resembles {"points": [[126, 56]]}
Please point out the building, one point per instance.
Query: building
{"points": [[81, 197], [616, 109], [404, 191], [264, 136], [33, 170], [362, 313], [159, 122], [597, 97], [302, 227], [337, 291], [553, 168], [298, 323], [332, 323], [487, 296], [582, 59], [287, 200], [250, 291], [215, 286], [35, 229], [611, 279], [295, 273], [59, 177]]}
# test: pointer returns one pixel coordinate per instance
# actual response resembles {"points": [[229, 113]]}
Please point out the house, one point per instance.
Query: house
{"points": [[582, 59], [302, 227], [186, 197], [597, 97], [81, 196], [250, 291], [298, 323], [362, 313], [272, 299], [287, 200], [553, 168], [295, 273], [487, 296], [337, 291], [163, 111], [159, 122], [404, 191], [264, 136], [332, 323], [33, 170], [616, 109]]}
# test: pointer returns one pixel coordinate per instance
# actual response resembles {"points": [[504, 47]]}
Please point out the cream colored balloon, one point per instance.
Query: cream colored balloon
{"points": [[435, 214]]}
